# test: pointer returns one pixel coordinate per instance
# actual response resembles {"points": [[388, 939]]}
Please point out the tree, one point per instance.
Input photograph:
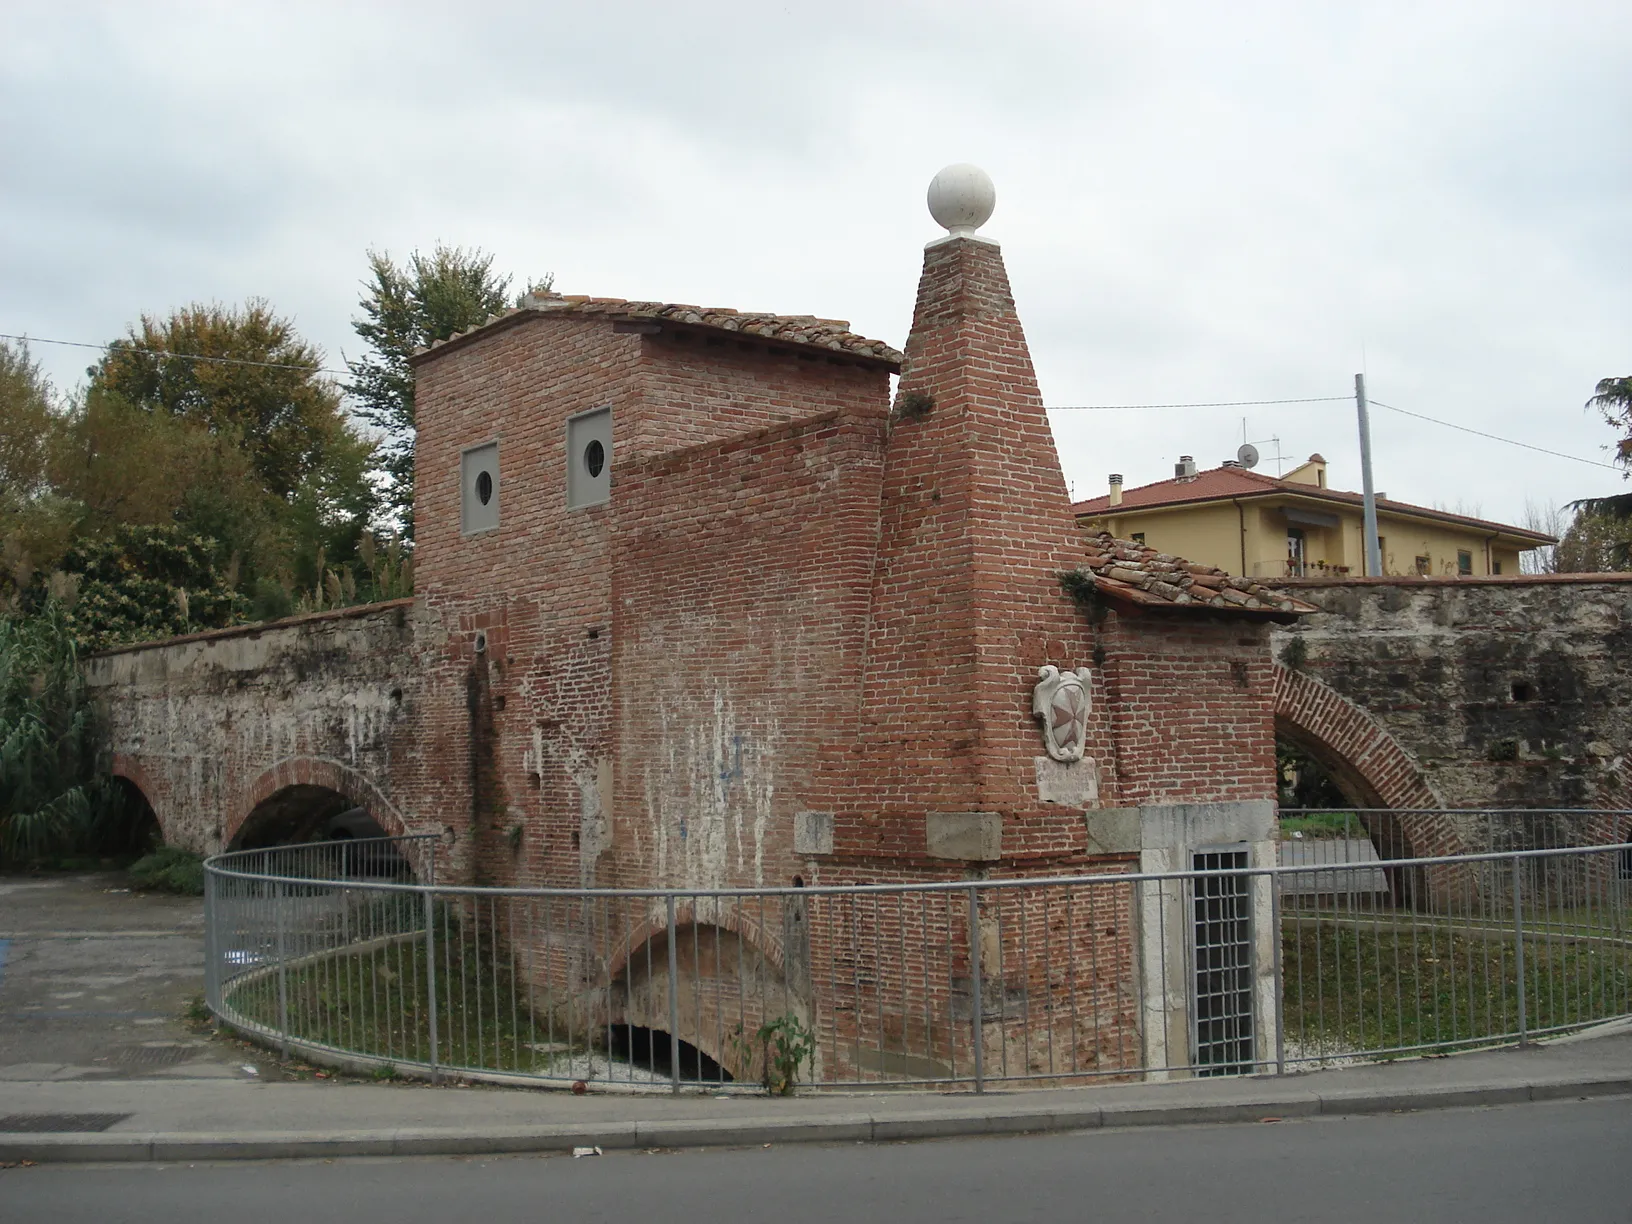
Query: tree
{"points": [[241, 439], [1593, 543], [258, 385], [407, 308], [49, 799], [139, 584], [1601, 518], [35, 523], [1613, 398]]}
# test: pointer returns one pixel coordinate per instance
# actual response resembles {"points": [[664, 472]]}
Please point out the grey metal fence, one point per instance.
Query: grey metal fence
{"points": [[351, 953]]}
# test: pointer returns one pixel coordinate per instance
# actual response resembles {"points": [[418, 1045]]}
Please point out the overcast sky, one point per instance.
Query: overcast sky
{"points": [[1195, 201]]}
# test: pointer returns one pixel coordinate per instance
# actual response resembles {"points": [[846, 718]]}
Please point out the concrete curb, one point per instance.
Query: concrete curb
{"points": [[999, 1118]]}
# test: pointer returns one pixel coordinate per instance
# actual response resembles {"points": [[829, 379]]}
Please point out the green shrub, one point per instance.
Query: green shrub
{"points": [[51, 801], [170, 869]]}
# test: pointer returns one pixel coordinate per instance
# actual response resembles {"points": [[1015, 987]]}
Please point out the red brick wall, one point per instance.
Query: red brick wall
{"points": [[1192, 702], [976, 528], [740, 602], [515, 736], [700, 387]]}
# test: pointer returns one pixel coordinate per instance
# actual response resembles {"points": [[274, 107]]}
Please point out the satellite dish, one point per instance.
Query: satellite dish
{"points": [[1247, 456]]}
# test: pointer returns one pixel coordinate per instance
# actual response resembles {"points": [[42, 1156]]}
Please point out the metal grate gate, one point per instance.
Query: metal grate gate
{"points": [[1221, 935]]}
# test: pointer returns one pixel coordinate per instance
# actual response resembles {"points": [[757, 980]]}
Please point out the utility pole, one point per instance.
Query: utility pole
{"points": [[1374, 554]]}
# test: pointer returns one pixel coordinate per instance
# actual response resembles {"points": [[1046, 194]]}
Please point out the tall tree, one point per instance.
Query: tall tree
{"points": [[1606, 522], [405, 308], [242, 373], [35, 523], [271, 469]]}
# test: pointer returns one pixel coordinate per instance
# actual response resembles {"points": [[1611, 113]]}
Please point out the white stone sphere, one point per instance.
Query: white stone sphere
{"points": [[961, 198]]}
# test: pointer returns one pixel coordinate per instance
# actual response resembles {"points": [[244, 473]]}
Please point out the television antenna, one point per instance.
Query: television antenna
{"points": [[1257, 456]]}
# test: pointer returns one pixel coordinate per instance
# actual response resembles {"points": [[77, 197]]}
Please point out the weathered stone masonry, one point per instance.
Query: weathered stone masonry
{"points": [[1511, 691]]}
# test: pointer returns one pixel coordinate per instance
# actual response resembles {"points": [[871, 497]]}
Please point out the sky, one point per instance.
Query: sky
{"points": [[1196, 202]]}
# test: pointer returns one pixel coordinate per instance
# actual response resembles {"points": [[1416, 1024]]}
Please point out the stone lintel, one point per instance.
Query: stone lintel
{"points": [[1179, 826]]}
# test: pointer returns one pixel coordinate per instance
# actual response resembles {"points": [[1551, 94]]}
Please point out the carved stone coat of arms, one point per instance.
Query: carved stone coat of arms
{"points": [[1061, 701]]}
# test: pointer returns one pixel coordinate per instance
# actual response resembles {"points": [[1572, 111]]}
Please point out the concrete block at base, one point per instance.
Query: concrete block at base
{"points": [[1114, 831], [969, 836], [813, 832]]}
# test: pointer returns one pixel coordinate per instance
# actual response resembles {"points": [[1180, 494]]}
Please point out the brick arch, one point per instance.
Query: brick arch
{"points": [[713, 965], [132, 770], [688, 915], [1368, 763], [315, 771]]}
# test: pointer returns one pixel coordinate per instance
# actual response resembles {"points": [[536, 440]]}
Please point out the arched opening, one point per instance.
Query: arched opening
{"points": [[652, 1050], [130, 826], [294, 814], [724, 988]]}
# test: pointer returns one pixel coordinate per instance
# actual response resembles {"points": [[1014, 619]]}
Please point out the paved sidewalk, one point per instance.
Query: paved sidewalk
{"points": [[211, 1119]]}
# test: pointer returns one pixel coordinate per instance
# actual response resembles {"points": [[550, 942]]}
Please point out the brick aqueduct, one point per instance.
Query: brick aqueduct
{"points": [[794, 631]]}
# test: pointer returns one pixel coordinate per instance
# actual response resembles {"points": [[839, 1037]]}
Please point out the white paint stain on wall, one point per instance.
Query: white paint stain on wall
{"points": [[709, 790]]}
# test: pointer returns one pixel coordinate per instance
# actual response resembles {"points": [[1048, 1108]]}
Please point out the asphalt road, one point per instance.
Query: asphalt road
{"points": [[95, 981], [1564, 1161]]}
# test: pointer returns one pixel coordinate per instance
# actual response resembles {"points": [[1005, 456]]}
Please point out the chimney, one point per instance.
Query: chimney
{"points": [[1116, 488], [1231, 463], [1185, 468]]}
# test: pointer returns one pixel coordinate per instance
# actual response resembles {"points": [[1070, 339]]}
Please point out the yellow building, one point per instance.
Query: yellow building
{"points": [[1260, 526]]}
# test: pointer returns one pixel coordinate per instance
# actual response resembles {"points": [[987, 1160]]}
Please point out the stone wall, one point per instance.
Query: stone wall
{"points": [[1504, 691], [212, 725]]}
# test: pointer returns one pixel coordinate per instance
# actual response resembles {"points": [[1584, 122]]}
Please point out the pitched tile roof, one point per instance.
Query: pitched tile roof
{"points": [[830, 335], [1131, 572], [1222, 482]]}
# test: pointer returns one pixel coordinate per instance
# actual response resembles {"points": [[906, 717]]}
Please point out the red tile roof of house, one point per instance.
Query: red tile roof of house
{"points": [[1217, 484], [1138, 575], [806, 331]]}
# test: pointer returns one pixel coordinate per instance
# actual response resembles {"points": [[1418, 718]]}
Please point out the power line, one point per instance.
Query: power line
{"points": [[1493, 437], [136, 348], [1319, 399]]}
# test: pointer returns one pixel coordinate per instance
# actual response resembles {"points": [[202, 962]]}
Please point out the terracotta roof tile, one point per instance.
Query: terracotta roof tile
{"points": [[1221, 482], [1139, 575], [808, 331]]}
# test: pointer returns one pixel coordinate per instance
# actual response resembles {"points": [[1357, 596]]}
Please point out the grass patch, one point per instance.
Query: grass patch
{"points": [[1323, 824], [375, 1000], [1357, 986], [170, 869]]}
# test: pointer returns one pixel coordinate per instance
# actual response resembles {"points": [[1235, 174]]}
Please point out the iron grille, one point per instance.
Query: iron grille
{"points": [[1222, 945]]}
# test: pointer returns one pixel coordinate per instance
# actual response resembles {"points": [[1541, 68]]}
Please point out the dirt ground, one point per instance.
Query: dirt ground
{"points": [[97, 981]]}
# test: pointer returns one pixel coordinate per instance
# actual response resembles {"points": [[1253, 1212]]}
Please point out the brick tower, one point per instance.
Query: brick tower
{"points": [[976, 528]]}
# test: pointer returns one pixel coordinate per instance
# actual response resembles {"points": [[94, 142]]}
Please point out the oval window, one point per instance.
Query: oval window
{"points": [[594, 457], [484, 487]]}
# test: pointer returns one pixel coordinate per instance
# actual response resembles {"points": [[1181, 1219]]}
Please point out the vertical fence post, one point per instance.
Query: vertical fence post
{"points": [[674, 1001], [278, 895], [1280, 976], [975, 1001], [1518, 947], [212, 985], [430, 981]]}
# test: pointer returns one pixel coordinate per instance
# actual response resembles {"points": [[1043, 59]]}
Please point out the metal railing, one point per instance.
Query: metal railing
{"points": [[350, 953]]}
